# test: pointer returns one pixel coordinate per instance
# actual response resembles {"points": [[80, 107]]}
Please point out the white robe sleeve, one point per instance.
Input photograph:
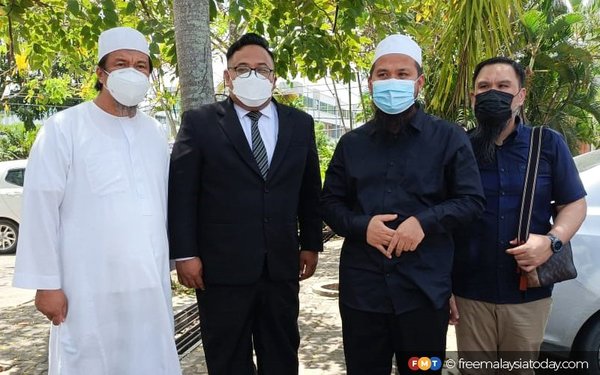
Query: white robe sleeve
{"points": [[38, 264]]}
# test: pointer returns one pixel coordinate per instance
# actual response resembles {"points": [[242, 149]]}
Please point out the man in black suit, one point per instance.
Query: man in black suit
{"points": [[244, 223]]}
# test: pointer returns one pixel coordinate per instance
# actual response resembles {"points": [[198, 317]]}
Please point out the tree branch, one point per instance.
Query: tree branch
{"points": [[11, 50], [337, 9], [41, 3], [332, 22], [146, 9]]}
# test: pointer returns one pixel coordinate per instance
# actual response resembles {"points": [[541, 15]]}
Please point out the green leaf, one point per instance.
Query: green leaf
{"points": [[108, 5], [37, 48], [533, 20], [111, 19], [212, 8], [131, 8], [154, 50], [73, 7]]}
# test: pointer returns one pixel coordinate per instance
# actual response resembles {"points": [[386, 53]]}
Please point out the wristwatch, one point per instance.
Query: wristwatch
{"points": [[556, 244]]}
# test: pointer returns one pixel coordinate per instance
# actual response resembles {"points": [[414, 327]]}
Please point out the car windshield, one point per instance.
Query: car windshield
{"points": [[587, 161]]}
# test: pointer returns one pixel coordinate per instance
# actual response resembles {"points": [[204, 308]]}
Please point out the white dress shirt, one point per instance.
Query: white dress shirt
{"points": [[267, 126]]}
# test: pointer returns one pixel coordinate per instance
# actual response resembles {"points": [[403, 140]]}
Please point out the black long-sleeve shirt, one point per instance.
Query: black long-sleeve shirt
{"points": [[428, 172]]}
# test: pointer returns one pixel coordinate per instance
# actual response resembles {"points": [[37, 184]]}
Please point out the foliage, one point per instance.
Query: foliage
{"points": [[33, 97], [562, 88], [291, 99], [39, 43], [462, 33], [368, 111], [314, 38], [16, 141], [47, 48], [325, 147]]}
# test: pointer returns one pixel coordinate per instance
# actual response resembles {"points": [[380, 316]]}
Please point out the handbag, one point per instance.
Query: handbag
{"points": [[559, 267]]}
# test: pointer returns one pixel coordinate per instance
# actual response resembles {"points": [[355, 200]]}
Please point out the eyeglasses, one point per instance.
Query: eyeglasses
{"points": [[244, 71]]}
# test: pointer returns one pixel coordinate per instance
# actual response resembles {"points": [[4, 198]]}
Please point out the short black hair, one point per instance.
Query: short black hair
{"points": [[501, 60], [102, 65], [248, 40]]}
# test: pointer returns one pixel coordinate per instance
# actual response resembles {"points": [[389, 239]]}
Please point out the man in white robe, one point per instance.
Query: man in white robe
{"points": [[93, 236]]}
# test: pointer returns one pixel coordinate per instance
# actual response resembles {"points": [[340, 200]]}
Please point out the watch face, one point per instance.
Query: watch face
{"points": [[556, 244]]}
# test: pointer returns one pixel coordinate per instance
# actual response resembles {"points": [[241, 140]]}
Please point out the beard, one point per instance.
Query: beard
{"points": [[483, 139], [125, 110], [394, 124]]}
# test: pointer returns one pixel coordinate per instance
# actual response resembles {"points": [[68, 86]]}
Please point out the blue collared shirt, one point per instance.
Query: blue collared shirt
{"points": [[483, 270]]}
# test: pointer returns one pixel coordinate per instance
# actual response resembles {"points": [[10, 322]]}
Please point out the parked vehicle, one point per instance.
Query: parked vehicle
{"points": [[11, 189], [574, 323]]}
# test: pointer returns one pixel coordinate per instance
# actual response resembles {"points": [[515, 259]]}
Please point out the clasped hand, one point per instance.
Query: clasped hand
{"points": [[406, 237]]}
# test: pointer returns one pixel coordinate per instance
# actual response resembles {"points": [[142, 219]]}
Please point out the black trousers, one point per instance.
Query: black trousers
{"points": [[372, 339], [236, 319]]}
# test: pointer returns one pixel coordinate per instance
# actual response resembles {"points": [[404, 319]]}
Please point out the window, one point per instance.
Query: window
{"points": [[15, 176]]}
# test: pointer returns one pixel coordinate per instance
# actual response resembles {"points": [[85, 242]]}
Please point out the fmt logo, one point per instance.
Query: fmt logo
{"points": [[424, 363]]}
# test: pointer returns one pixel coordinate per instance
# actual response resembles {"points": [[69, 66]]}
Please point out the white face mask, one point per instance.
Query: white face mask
{"points": [[252, 91], [128, 86]]}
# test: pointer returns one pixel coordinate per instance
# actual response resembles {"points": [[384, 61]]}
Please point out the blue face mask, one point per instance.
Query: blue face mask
{"points": [[394, 96]]}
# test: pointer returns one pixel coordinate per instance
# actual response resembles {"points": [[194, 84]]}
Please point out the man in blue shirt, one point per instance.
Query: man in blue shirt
{"points": [[495, 316], [395, 189]]}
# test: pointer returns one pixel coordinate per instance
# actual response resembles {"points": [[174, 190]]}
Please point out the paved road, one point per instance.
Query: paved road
{"points": [[11, 296], [24, 332]]}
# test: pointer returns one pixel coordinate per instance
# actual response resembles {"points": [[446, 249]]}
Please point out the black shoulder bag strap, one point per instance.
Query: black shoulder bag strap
{"points": [[533, 161]]}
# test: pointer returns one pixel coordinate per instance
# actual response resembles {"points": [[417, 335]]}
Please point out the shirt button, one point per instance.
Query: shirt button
{"points": [[266, 190], [501, 169], [389, 190], [391, 163], [501, 217], [387, 275], [502, 193], [266, 219]]}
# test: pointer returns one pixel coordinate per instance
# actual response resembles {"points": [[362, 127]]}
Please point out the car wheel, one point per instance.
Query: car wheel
{"points": [[9, 233], [587, 346]]}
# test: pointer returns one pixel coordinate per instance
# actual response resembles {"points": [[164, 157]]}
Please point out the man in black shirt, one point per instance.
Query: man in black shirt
{"points": [[395, 189]]}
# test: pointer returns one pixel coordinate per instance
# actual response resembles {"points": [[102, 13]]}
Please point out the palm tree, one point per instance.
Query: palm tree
{"points": [[462, 34], [562, 89]]}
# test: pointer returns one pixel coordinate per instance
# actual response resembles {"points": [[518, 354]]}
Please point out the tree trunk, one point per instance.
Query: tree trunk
{"points": [[194, 59]]}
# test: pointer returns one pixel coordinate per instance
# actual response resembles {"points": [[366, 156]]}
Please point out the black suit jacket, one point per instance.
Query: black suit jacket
{"points": [[221, 209]]}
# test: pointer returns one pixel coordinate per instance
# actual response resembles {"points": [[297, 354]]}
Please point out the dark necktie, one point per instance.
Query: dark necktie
{"points": [[258, 147]]}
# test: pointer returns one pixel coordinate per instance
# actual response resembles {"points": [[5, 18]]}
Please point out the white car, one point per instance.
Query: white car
{"points": [[574, 323], [11, 189]]}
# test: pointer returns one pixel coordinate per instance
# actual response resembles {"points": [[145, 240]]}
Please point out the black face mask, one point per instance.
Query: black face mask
{"points": [[493, 106], [492, 110]]}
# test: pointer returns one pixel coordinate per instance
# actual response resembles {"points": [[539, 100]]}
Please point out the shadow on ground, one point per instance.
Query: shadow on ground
{"points": [[23, 342], [321, 348]]}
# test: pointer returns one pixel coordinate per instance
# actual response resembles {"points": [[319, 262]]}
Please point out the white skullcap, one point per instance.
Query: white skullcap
{"points": [[121, 38], [398, 43]]}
